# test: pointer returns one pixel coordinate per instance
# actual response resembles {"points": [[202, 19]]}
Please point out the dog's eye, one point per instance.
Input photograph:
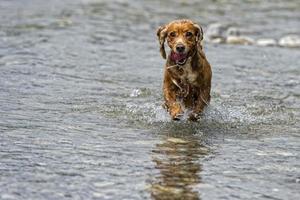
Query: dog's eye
{"points": [[172, 34], [188, 34]]}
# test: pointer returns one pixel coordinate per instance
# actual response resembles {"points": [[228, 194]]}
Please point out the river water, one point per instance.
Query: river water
{"points": [[80, 103]]}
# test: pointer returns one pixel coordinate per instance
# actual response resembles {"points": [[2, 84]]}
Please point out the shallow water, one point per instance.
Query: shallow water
{"points": [[81, 115]]}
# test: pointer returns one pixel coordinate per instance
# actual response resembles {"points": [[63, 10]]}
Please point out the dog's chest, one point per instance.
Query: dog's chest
{"points": [[188, 74]]}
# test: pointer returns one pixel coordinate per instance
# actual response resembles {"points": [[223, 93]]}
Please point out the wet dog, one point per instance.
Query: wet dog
{"points": [[187, 73]]}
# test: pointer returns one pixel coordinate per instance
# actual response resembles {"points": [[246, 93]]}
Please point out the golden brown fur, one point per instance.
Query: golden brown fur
{"points": [[187, 74]]}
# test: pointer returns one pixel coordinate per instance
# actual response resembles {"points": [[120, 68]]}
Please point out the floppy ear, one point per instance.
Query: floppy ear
{"points": [[162, 34], [199, 34]]}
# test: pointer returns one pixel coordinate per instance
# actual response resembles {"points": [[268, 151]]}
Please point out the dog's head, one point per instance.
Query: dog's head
{"points": [[182, 36]]}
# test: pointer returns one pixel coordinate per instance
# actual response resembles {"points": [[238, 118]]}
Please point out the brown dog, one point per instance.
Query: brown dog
{"points": [[187, 76]]}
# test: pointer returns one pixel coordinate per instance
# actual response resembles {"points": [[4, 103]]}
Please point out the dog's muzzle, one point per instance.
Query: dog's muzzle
{"points": [[179, 58]]}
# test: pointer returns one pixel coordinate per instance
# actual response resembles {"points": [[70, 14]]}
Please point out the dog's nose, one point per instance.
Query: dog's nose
{"points": [[180, 48]]}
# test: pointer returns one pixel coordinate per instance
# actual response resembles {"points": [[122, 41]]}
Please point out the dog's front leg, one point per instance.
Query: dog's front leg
{"points": [[202, 101], [173, 106]]}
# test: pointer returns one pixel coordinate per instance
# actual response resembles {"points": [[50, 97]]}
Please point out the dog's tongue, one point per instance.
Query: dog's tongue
{"points": [[177, 56]]}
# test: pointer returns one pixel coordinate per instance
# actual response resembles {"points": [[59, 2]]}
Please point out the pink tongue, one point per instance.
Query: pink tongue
{"points": [[177, 56]]}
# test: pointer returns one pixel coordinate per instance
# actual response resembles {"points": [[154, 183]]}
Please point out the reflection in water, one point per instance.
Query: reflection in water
{"points": [[177, 159]]}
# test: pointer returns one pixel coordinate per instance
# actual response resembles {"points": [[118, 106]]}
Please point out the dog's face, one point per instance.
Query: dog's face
{"points": [[182, 37]]}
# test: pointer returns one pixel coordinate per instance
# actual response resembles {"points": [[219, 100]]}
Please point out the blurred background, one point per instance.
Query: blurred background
{"points": [[81, 95]]}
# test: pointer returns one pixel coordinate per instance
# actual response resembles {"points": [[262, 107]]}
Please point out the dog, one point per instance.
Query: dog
{"points": [[187, 73]]}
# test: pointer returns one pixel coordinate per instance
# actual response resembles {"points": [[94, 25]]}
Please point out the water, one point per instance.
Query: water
{"points": [[81, 115]]}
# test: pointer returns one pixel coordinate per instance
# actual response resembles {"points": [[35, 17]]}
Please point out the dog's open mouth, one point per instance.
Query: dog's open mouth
{"points": [[179, 58]]}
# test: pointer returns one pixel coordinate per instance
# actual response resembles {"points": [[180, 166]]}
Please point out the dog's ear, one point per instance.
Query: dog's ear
{"points": [[162, 34], [199, 35], [199, 32]]}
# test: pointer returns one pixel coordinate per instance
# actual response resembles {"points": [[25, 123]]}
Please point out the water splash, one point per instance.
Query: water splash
{"points": [[218, 112]]}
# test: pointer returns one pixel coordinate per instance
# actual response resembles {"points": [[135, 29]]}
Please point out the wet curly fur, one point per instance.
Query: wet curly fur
{"points": [[187, 73]]}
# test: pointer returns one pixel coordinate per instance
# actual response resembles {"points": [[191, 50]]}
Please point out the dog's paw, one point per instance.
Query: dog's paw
{"points": [[177, 117], [176, 111], [194, 117]]}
